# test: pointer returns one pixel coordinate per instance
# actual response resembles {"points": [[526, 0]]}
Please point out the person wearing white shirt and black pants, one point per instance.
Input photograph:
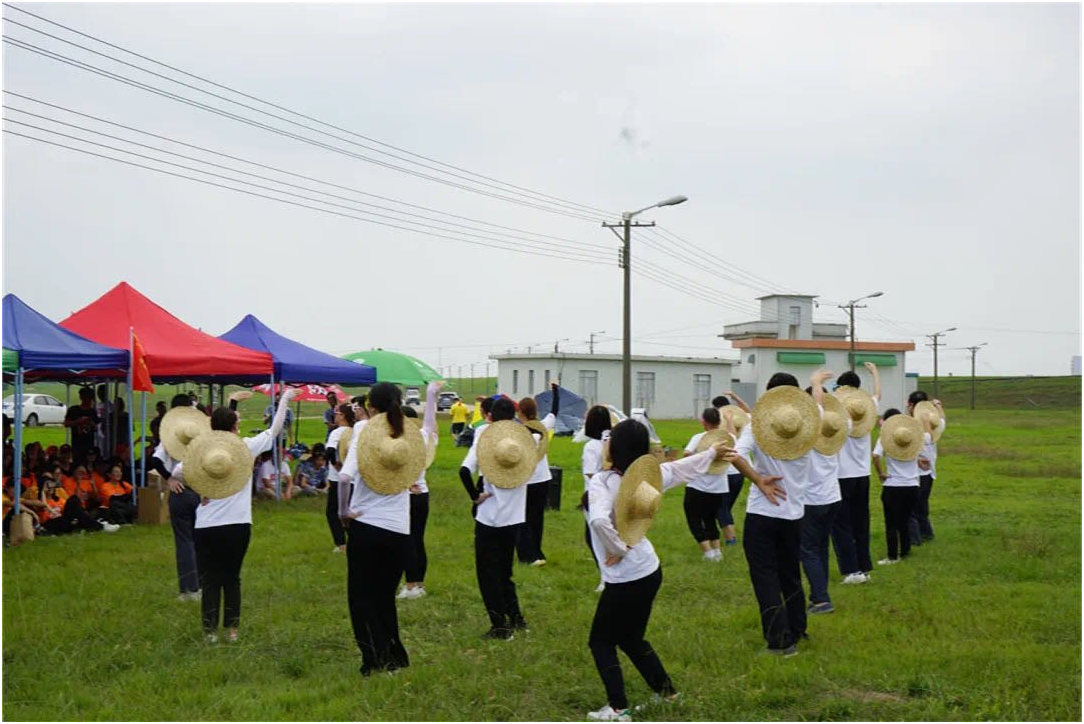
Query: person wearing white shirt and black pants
{"points": [[596, 426], [344, 418], [378, 528], [704, 495], [417, 561], [529, 537], [899, 492], [850, 528], [919, 525], [734, 478], [498, 514], [773, 520]]}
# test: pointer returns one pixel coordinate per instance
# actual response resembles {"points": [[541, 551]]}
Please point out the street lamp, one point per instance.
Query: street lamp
{"points": [[934, 343], [974, 350], [626, 264], [850, 307], [556, 346], [591, 342]]}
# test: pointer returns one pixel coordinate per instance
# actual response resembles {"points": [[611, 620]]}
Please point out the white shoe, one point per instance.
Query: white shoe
{"points": [[419, 591], [189, 596], [855, 578], [887, 561], [601, 587], [110, 527], [608, 713], [336, 549], [539, 563], [211, 638], [406, 593]]}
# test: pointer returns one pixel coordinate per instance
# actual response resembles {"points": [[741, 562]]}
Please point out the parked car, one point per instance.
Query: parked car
{"points": [[412, 396], [37, 410], [445, 400]]}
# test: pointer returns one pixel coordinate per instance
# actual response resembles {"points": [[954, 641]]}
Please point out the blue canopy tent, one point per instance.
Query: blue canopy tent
{"points": [[48, 351], [295, 362]]}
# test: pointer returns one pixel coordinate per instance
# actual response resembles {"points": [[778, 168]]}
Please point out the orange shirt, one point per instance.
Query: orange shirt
{"points": [[108, 490], [71, 486], [58, 504]]}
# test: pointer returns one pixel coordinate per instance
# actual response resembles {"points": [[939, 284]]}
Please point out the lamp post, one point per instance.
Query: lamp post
{"points": [[556, 347], [974, 351], [626, 264], [935, 344], [850, 307], [591, 342]]}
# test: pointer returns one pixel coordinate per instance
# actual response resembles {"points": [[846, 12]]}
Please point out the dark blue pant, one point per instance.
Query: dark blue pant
{"points": [[417, 561], [920, 527], [494, 549], [816, 529], [374, 560], [182, 516], [898, 503], [850, 530], [725, 515], [773, 548]]}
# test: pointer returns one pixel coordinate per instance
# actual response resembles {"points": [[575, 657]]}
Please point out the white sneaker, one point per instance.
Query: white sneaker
{"points": [[419, 591], [854, 578], [887, 561], [539, 563], [189, 596], [608, 713], [336, 549], [716, 554], [211, 638], [601, 587], [110, 527], [406, 593]]}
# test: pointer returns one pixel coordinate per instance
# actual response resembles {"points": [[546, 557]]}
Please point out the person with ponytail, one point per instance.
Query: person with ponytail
{"points": [[344, 421], [596, 427], [529, 536], [378, 528], [417, 561]]}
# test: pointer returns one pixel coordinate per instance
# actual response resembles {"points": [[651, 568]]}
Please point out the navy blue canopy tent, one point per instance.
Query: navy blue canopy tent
{"points": [[48, 351], [570, 416]]}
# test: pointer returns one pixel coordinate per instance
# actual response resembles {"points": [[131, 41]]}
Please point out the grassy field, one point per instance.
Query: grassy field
{"points": [[984, 623]]}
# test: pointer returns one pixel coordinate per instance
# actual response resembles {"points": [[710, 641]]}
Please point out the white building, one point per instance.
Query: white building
{"points": [[786, 339], [667, 387], [1076, 365]]}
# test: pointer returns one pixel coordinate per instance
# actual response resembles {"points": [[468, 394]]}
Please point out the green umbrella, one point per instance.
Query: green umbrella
{"points": [[11, 360], [402, 369]]}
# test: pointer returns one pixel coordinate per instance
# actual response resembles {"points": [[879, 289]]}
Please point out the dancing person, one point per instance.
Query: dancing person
{"points": [[725, 404], [338, 442], [596, 426], [850, 527], [417, 561], [919, 525], [704, 494], [899, 444], [529, 536]]}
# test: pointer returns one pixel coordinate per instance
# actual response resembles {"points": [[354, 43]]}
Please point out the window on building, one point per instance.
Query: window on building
{"points": [[701, 393], [795, 322], [515, 382], [589, 386], [530, 382], [645, 390], [752, 359], [546, 380]]}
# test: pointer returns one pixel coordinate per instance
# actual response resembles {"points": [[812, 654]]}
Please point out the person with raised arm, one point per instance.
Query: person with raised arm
{"points": [[417, 561]]}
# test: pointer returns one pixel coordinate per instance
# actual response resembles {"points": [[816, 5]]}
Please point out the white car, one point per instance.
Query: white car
{"points": [[37, 410]]}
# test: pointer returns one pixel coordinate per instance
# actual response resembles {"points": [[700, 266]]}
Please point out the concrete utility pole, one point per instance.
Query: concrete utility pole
{"points": [[625, 262], [974, 351], [935, 344], [556, 346], [850, 307], [591, 343]]}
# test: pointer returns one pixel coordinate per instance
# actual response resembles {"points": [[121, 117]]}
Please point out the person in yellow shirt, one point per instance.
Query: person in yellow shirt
{"points": [[459, 417]]}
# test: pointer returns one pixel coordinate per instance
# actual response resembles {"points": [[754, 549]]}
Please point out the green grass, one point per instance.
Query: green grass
{"points": [[985, 623], [1045, 393]]}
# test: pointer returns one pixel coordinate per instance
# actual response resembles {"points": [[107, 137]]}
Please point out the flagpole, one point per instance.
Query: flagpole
{"points": [[143, 436], [131, 414]]}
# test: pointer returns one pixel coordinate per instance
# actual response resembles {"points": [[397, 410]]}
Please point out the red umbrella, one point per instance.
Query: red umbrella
{"points": [[309, 393]]}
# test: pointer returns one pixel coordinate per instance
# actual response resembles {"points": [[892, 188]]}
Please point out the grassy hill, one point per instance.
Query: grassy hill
{"points": [[996, 393]]}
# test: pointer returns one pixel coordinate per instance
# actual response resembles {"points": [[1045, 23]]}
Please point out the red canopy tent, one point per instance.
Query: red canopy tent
{"points": [[174, 350]]}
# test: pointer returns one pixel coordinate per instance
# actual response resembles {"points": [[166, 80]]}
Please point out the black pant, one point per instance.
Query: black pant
{"points": [[374, 559], [457, 427], [725, 515], [898, 504], [700, 511], [220, 551], [121, 510], [493, 550], [73, 518], [621, 621], [182, 516], [417, 561], [529, 535], [816, 526], [919, 525], [331, 510], [850, 530], [773, 548]]}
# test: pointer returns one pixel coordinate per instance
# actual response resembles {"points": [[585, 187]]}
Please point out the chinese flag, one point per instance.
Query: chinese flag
{"points": [[141, 376]]}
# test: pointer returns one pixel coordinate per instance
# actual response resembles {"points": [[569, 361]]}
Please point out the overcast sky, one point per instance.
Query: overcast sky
{"points": [[930, 152]]}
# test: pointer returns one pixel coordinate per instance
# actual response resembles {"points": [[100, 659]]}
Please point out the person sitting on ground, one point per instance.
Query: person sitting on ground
{"points": [[64, 458], [115, 497], [80, 506], [312, 473], [267, 478], [81, 484]]}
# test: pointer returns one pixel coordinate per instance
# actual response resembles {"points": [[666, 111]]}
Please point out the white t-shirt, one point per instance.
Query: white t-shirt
{"points": [[333, 439], [929, 451], [823, 479], [794, 474], [238, 507], [390, 512], [900, 473], [854, 457], [542, 473], [591, 461], [507, 506], [161, 454], [707, 483], [267, 472]]}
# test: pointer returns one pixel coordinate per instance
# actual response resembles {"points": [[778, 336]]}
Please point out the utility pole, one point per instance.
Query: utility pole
{"points": [[472, 377], [935, 344], [557, 344], [850, 307], [974, 351], [591, 343]]}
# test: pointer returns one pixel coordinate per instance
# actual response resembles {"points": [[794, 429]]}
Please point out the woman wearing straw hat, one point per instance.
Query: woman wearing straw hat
{"points": [[506, 453], [417, 561], [596, 426], [900, 443], [850, 529], [780, 436], [338, 443], [218, 466], [623, 502], [734, 417], [918, 404], [386, 458], [822, 500], [704, 494], [529, 537]]}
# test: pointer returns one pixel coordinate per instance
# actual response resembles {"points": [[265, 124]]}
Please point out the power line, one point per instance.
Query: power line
{"points": [[546, 198], [52, 55], [293, 203]]}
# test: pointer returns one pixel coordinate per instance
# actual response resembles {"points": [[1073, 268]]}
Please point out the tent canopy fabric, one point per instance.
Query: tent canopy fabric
{"points": [[401, 369], [294, 362], [41, 344], [174, 350]]}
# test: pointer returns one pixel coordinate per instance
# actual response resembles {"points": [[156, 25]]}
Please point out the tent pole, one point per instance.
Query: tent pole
{"points": [[275, 447], [143, 438], [67, 404], [297, 421], [131, 416], [18, 437]]}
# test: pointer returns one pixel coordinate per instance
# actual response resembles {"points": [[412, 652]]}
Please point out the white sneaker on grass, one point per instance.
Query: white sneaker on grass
{"points": [[110, 527], [854, 578], [600, 587], [887, 561], [608, 713]]}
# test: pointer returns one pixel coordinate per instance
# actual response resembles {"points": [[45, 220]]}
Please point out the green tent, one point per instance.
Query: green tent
{"points": [[11, 360], [402, 369]]}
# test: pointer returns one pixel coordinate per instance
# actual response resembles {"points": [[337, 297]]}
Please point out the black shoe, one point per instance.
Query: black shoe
{"points": [[520, 624], [501, 634]]}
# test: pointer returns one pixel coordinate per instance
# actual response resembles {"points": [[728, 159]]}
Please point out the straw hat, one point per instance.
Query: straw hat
{"points": [[718, 465], [389, 465], [901, 437], [929, 410], [507, 454], [544, 443], [638, 499], [833, 431], [343, 447], [179, 427], [860, 406], [738, 416], [785, 422], [217, 464]]}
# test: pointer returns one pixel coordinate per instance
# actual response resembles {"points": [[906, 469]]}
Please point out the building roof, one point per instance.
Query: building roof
{"points": [[843, 345], [615, 358], [789, 296]]}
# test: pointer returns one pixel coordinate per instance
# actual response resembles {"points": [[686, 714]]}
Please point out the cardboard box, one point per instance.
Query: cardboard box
{"points": [[154, 501]]}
